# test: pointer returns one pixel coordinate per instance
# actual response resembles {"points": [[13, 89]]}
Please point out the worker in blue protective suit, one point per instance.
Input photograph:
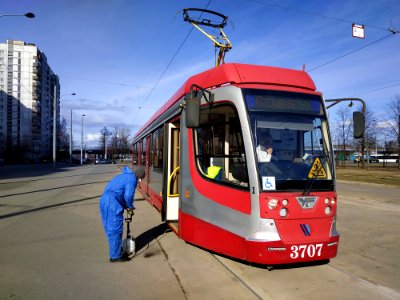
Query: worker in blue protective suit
{"points": [[117, 196]]}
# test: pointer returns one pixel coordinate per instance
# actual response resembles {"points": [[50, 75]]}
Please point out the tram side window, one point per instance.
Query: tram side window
{"points": [[135, 154], [157, 149], [219, 146], [143, 153]]}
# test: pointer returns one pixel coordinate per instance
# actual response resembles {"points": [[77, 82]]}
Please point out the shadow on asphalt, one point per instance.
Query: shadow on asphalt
{"points": [[293, 265], [269, 267], [145, 238], [46, 207], [51, 189], [20, 171], [56, 177], [29, 170]]}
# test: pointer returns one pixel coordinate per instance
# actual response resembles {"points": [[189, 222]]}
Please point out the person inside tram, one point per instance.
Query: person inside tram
{"points": [[264, 149]]}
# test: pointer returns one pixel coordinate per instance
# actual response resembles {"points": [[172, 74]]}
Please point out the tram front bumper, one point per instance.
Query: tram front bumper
{"points": [[277, 252]]}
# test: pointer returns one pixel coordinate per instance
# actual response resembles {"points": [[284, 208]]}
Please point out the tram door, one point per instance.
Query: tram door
{"points": [[172, 178]]}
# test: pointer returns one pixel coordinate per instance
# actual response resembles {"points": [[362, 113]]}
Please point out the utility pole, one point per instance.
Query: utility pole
{"points": [[70, 141], [82, 141], [54, 125]]}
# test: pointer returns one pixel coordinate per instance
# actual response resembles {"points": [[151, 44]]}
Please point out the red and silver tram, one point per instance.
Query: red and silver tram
{"points": [[206, 175]]}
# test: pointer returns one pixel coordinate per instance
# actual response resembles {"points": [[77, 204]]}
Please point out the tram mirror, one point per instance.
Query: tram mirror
{"points": [[359, 124], [193, 110]]}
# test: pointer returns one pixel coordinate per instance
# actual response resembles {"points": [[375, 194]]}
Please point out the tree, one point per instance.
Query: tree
{"points": [[103, 140], [369, 140], [63, 135], [370, 129], [393, 121], [120, 141], [343, 131]]}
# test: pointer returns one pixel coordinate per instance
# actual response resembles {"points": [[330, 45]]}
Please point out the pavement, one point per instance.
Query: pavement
{"points": [[53, 245]]}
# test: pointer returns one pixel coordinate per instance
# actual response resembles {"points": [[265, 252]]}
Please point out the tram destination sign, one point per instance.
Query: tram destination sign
{"points": [[273, 101]]}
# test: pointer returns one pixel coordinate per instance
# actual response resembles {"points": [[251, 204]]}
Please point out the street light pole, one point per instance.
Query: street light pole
{"points": [[82, 140], [70, 141], [105, 146], [70, 137], [28, 15], [54, 125], [55, 119]]}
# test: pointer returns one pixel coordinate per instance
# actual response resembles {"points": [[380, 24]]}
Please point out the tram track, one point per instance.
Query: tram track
{"points": [[388, 292], [328, 273], [253, 289]]}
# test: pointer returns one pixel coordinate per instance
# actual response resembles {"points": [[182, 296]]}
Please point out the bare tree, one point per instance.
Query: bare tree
{"points": [[103, 140], [369, 139], [63, 135], [343, 131], [393, 121], [120, 141], [370, 129]]}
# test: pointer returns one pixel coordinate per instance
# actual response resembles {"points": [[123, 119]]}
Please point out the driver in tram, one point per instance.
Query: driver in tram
{"points": [[264, 148]]}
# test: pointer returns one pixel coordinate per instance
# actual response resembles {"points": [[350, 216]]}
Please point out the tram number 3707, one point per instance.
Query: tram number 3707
{"points": [[301, 251]]}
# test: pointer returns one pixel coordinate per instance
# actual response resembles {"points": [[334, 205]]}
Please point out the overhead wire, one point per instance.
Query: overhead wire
{"points": [[391, 29], [351, 52], [12, 71], [313, 13], [376, 90], [107, 82], [168, 65]]}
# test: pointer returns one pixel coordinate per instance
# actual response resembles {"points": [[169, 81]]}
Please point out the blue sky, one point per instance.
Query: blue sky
{"points": [[112, 53]]}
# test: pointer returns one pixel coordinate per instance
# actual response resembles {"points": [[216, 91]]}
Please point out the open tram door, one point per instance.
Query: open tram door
{"points": [[170, 207]]}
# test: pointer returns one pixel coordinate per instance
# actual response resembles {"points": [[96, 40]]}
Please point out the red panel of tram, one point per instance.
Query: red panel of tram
{"points": [[211, 237], [236, 199]]}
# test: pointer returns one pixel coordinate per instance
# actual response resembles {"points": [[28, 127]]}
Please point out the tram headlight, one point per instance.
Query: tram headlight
{"points": [[285, 202], [327, 200], [283, 212], [328, 210], [333, 201], [272, 203]]}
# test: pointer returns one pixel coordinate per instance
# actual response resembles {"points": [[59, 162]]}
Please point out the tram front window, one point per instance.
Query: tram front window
{"points": [[292, 145]]}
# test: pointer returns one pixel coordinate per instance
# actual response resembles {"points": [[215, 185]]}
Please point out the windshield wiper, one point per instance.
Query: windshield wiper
{"points": [[315, 174]]}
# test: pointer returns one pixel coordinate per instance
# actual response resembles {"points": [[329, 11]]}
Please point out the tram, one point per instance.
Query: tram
{"points": [[206, 176]]}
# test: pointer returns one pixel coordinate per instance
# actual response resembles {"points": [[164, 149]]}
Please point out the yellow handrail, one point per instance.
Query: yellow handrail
{"points": [[169, 183]]}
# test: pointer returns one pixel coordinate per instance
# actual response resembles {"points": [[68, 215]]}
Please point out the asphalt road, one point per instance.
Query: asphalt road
{"points": [[52, 246]]}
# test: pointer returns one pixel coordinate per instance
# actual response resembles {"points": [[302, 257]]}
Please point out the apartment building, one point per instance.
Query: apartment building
{"points": [[29, 89]]}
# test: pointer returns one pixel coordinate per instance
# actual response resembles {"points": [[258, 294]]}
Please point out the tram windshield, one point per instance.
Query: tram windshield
{"points": [[291, 140]]}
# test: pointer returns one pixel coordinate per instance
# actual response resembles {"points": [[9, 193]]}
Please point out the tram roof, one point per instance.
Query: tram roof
{"points": [[238, 74]]}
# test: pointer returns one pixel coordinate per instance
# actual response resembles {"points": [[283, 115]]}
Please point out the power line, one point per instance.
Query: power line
{"points": [[391, 30], [12, 72], [351, 52], [168, 65], [108, 82], [376, 90], [315, 14]]}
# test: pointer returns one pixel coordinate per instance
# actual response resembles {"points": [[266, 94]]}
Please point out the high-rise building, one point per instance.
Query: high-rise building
{"points": [[29, 89]]}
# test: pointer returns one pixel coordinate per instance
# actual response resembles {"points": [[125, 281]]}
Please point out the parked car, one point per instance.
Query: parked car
{"points": [[106, 161], [371, 160]]}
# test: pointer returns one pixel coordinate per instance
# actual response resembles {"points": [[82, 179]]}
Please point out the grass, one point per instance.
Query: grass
{"points": [[389, 175]]}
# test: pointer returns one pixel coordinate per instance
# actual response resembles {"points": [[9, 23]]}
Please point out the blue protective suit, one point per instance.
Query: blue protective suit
{"points": [[117, 196]]}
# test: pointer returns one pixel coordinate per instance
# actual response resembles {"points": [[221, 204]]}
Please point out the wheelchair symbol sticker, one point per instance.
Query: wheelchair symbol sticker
{"points": [[268, 183]]}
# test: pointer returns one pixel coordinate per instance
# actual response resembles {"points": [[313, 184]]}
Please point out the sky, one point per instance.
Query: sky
{"points": [[125, 58]]}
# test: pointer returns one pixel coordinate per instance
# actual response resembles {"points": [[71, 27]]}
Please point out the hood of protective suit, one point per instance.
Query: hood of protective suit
{"points": [[127, 170]]}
